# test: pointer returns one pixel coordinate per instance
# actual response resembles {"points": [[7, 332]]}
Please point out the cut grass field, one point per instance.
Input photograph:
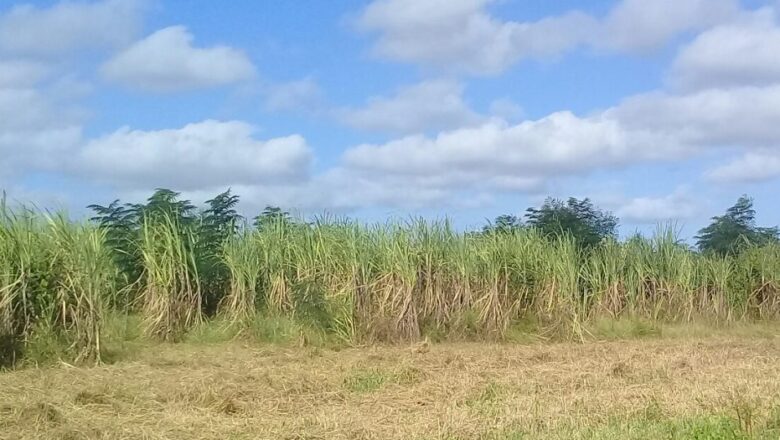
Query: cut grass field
{"points": [[724, 385]]}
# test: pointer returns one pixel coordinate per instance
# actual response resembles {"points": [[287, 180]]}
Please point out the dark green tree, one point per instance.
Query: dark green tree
{"points": [[218, 222], [220, 219], [271, 215], [503, 224], [579, 218], [166, 202], [203, 233], [730, 233], [121, 225]]}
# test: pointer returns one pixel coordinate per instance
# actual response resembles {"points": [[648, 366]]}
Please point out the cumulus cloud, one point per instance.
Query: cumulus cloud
{"points": [[36, 131], [427, 106], [483, 155], [641, 25], [463, 35], [166, 61], [726, 89], [506, 109], [676, 206], [304, 94], [523, 157], [752, 167], [69, 25], [343, 188], [741, 116], [559, 142], [198, 155], [21, 73], [41, 149], [741, 53], [500, 156]]}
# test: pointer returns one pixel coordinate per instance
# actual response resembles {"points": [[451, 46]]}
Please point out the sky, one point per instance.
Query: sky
{"points": [[659, 111]]}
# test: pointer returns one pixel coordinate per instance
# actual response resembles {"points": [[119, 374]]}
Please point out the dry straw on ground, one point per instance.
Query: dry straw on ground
{"points": [[450, 391]]}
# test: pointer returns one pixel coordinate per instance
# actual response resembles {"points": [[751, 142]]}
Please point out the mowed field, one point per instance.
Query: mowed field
{"points": [[714, 387]]}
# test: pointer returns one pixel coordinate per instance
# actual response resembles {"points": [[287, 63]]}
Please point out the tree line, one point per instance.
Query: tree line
{"points": [[175, 264], [589, 225], [727, 234]]}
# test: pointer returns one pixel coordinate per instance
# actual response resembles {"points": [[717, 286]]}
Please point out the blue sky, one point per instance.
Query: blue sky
{"points": [[658, 111]]}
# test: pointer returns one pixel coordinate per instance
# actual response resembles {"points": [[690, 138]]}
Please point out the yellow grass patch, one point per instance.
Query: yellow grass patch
{"points": [[726, 385]]}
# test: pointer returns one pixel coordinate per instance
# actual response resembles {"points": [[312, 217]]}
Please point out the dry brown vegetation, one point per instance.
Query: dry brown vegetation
{"points": [[718, 387]]}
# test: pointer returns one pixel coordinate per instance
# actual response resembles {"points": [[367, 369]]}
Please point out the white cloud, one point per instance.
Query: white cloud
{"points": [[68, 88], [21, 73], [727, 97], [736, 117], [25, 109], [463, 35], [40, 149], [36, 131], [560, 142], [729, 101], [742, 53], [752, 167], [199, 155], [524, 157], [304, 94], [506, 109], [427, 106], [69, 25], [642, 25], [676, 206], [344, 188], [166, 61], [497, 156]]}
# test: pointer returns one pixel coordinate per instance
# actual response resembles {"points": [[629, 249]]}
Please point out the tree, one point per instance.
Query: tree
{"points": [[271, 215], [503, 224], [165, 202], [218, 222], [731, 233], [579, 218], [120, 223], [201, 232], [221, 220]]}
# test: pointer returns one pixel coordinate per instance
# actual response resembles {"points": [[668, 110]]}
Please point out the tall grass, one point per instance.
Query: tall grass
{"points": [[242, 257], [56, 277], [171, 301], [85, 281], [396, 281]]}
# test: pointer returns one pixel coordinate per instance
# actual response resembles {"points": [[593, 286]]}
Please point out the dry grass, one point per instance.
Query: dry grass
{"points": [[447, 391]]}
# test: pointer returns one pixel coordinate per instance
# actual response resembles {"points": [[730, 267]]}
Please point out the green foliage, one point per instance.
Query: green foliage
{"points": [[121, 226], [203, 233], [220, 220], [218, 223], [579, 218], [706, 427], [336, 279], [57, 276], [735, 231], [165, 203], [365, 381], [362, 380], [270, 216], [503, 224], [85, 284], [242, 260], [171, 296]]}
